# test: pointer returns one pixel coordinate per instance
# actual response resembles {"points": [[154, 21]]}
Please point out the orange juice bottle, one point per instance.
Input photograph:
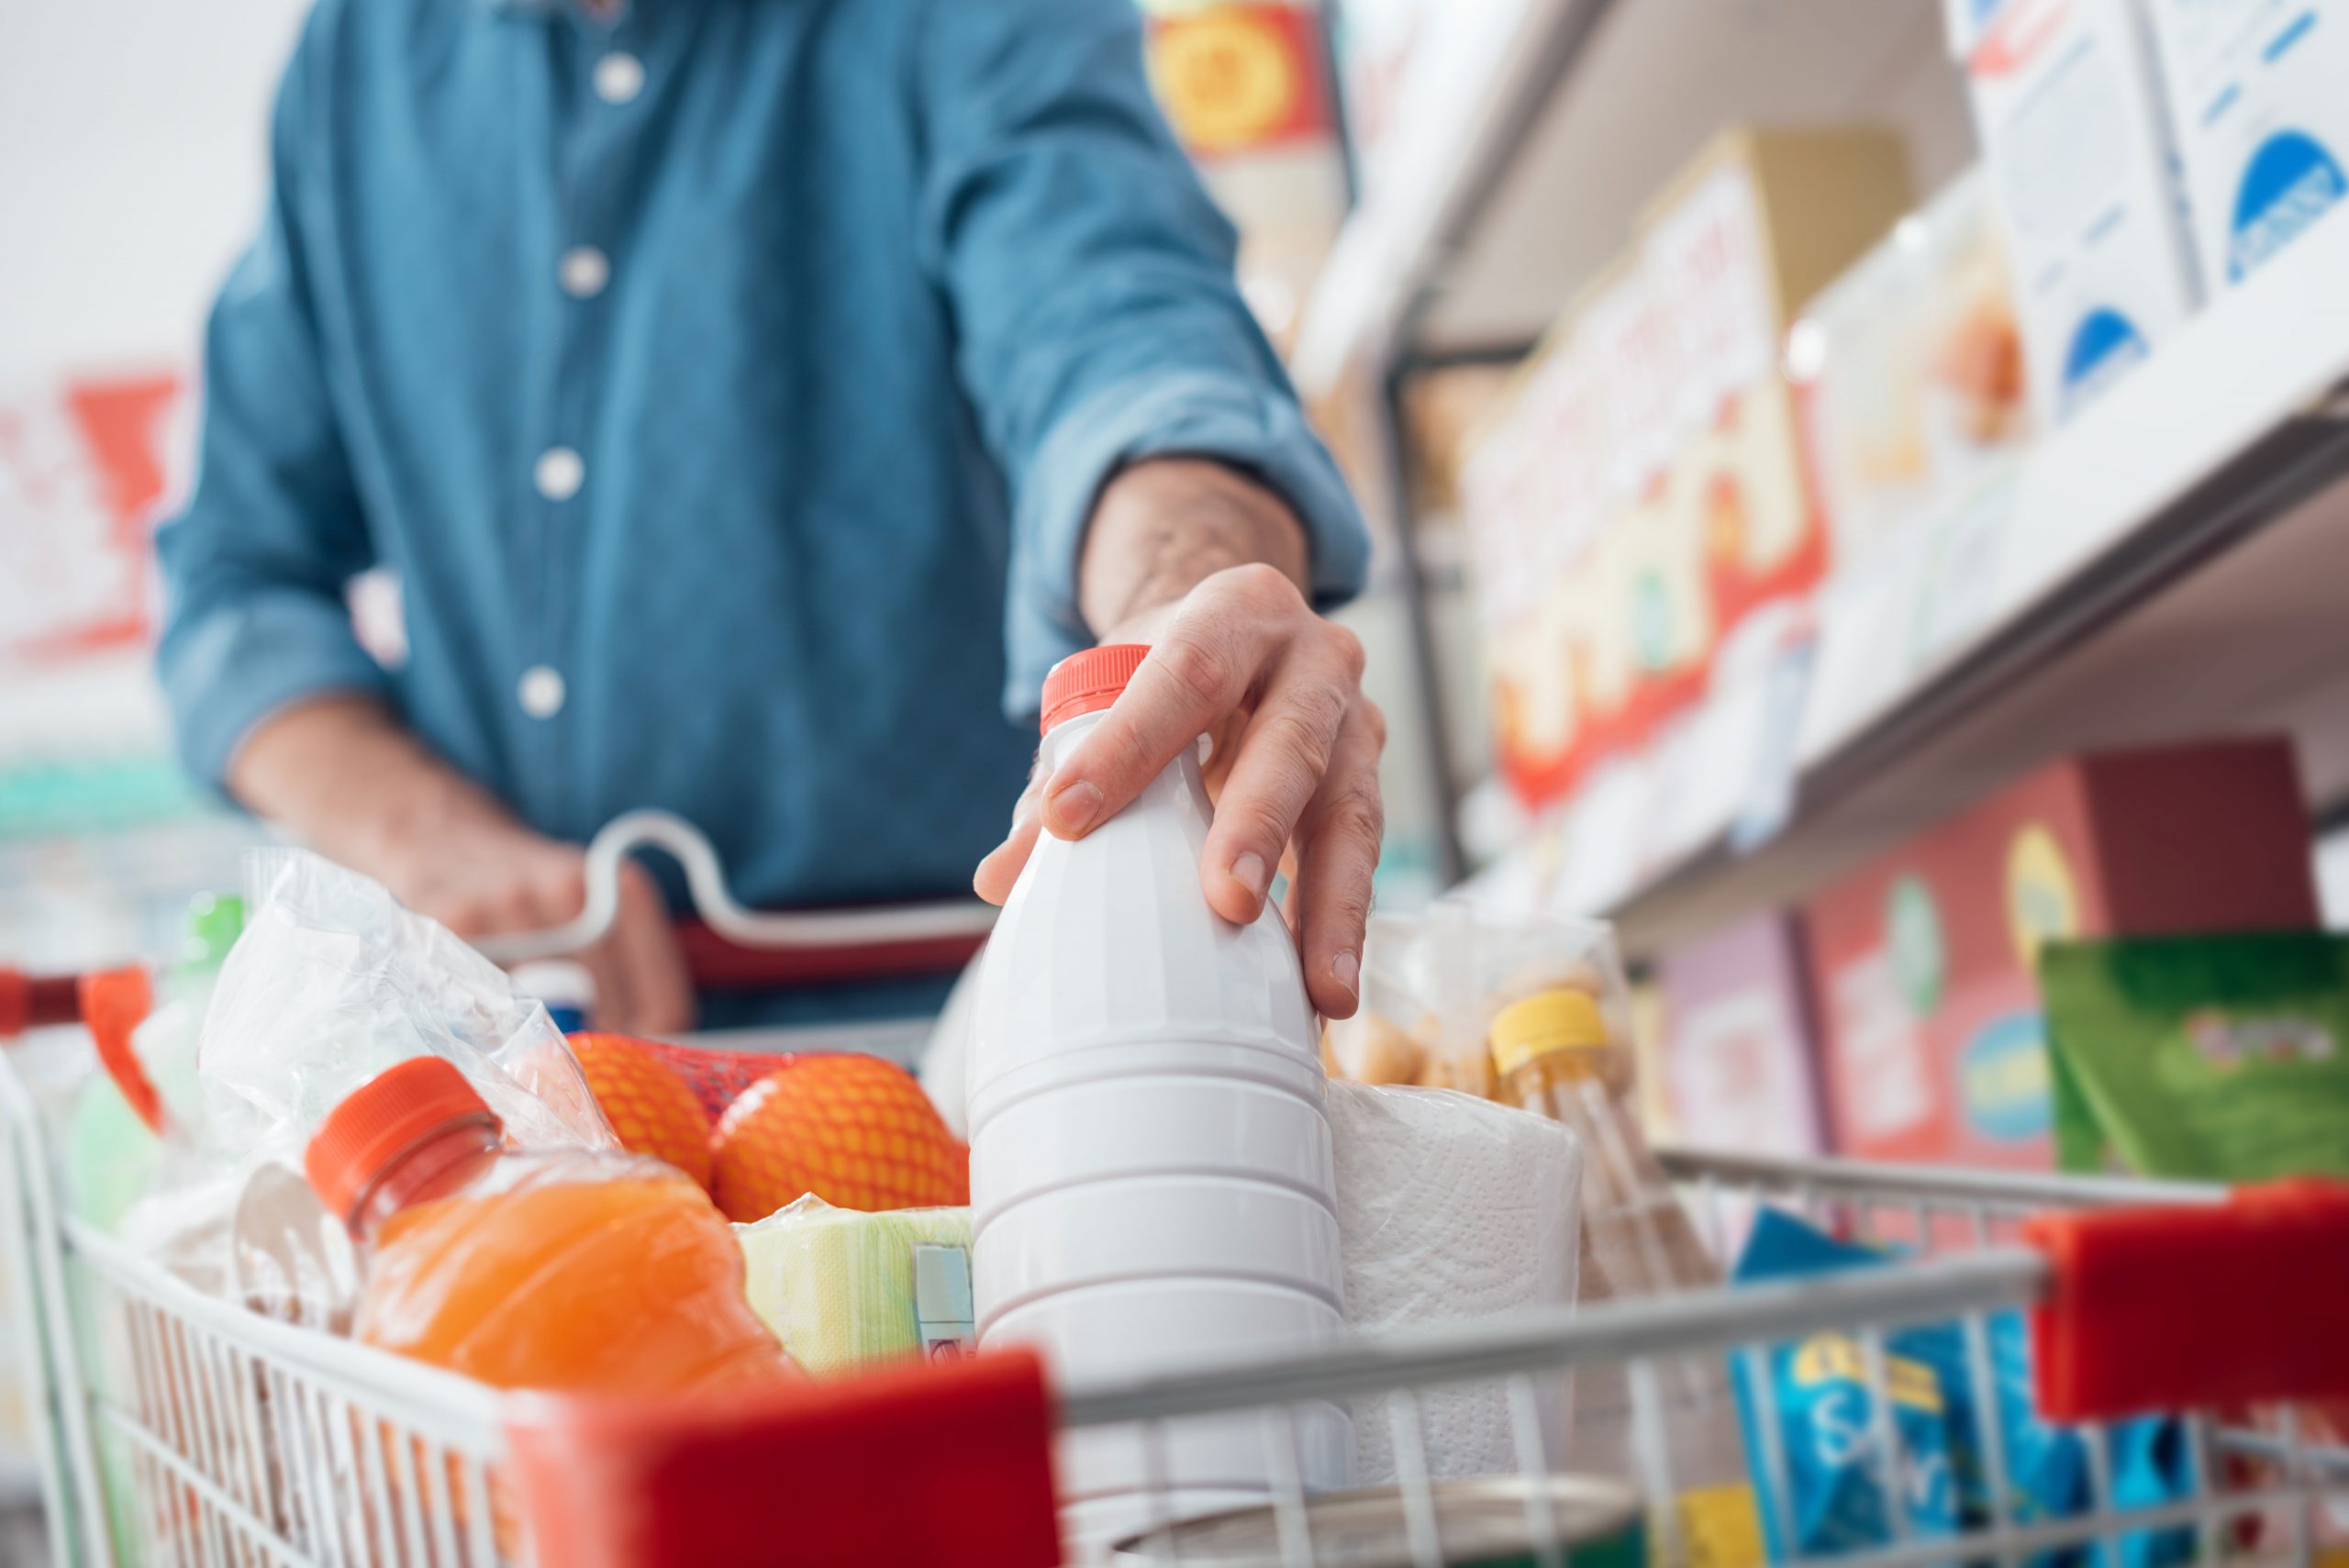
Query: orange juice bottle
{"points": [[584, 1270]]}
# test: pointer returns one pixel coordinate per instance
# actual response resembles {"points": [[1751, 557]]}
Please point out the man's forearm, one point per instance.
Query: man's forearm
{"points": [[1164, 526], [351, 781]]}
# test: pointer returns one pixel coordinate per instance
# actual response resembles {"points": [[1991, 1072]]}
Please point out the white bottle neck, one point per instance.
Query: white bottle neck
{"points": [[1062, 739]]}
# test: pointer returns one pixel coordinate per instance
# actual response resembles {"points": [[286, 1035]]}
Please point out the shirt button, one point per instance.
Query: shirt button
{"points": [[619, 77], [558, 473], [584, 271], [541, 692]]}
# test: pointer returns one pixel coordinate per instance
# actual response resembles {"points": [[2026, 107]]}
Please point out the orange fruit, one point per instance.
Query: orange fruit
{"points": [[855, 1130], [650, 1107]]}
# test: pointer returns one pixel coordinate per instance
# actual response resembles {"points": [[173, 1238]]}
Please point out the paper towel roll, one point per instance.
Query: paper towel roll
{"points": [[1451, 1206]]}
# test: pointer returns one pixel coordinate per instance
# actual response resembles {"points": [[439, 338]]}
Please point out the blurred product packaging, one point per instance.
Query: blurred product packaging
{"points": [[1926, 962], [2260, 122], [2213, 1058], [1912, 369], [2068, 105], [1643, 495]]}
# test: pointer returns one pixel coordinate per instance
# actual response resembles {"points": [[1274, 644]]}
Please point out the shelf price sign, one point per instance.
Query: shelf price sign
{"points": [[82, 470]]}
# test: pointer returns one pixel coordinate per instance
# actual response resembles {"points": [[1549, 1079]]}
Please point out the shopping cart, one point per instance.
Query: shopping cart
{"points": [[182, 1428]]}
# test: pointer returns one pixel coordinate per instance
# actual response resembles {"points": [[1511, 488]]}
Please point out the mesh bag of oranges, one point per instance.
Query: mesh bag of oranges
{"points": [[764, 1131]]}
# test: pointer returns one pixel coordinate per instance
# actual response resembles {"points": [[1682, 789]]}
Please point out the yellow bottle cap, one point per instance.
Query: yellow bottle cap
{"points": [[1545, 1022]]}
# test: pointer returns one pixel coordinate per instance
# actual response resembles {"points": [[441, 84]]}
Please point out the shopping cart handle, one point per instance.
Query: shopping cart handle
{"points": [[923, 1465], [705, 885], [109, 1003], [2186, 1306], [38, 1001]]}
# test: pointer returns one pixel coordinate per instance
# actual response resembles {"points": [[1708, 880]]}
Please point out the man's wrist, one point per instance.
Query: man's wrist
{"points": [[1164, 525], [349, 780]]}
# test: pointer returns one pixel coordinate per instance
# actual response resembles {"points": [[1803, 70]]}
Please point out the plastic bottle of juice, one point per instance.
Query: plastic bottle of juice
{"points": [[577, 1269], [1150, 1175], [1554, 1057]]}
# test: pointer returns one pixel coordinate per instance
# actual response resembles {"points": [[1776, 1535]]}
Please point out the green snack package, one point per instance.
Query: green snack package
{"points": [[2200, 1057]]}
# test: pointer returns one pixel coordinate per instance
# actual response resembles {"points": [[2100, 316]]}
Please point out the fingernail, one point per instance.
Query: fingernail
{"points": [[1248, 871], [1346, 970], [1072, 810]]}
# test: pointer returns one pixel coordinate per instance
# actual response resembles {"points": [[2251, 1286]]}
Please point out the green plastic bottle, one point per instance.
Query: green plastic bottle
{"points": [[112, 1157]]}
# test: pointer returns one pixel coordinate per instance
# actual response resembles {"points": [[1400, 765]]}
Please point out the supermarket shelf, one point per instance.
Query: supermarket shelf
{"points": [[2170, 565], [1460, 119], [1534, 130]]}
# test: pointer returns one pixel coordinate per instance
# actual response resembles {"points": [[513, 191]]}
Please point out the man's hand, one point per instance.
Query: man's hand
{"points": [[485, 881], [1204, 567], [343, 775]]}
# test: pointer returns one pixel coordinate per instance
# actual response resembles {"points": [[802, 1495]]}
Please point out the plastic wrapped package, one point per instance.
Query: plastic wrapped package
{"points": [[333, 982], [842, 1288], [330, 983], [1433, 982]]}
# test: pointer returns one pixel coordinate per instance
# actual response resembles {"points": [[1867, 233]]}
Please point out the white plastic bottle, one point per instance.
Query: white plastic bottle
{"points": [[1151, 1181]]}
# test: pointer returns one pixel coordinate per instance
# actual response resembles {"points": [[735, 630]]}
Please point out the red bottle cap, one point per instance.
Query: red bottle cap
{"points": [[383, 1119], [1090, 681]]}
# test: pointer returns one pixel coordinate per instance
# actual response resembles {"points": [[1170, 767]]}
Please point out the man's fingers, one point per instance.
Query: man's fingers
{"points": [[1338, 842], [614, 1004], [1200, 670], [646, 955], [1277, 767], [997, 873]]}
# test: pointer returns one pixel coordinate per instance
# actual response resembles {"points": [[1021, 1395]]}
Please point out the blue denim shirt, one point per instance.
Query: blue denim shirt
{"points": [[728, 382]]}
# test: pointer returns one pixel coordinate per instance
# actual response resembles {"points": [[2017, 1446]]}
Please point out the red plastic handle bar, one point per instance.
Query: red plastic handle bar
{"points": [[110, 1003], [719, 963], [37, 1001], [2180, 1306], [913, 1466]]}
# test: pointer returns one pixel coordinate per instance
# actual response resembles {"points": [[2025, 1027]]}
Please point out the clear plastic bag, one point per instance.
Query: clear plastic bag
{"points": [[330, 983], [1434, 980], [333, 982]]}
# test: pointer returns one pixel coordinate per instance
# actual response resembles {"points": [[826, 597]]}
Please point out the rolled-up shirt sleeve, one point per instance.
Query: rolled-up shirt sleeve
{"points": [[1097, 316], [255, 565]]}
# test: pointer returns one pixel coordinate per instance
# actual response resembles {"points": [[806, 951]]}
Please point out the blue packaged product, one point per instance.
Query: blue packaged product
{"points": [[1827, 1422], [2047, 1465]]}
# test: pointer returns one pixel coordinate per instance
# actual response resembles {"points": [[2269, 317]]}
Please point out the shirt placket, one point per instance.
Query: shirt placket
{"points": [[579, 268]]}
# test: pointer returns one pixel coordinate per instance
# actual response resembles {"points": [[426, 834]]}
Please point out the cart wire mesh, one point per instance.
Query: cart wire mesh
{"points": [[183, 1429]]}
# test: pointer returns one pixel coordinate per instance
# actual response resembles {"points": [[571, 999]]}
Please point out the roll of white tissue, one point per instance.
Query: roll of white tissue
{"points": [[1452, 1207]]}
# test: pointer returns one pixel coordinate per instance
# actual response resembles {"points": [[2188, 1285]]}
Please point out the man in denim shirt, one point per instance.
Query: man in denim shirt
{"points": [[754, 399]]}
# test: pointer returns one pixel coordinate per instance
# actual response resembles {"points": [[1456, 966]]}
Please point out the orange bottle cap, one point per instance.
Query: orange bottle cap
{"points": [[1090, 681], [380, 1121]]}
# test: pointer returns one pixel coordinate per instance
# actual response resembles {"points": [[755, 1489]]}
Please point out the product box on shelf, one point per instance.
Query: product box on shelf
{"points": [[1910, 371], [1645, 481], [1245, 87], [1924, 963], [2076, 136], [1530, 492], [1757, 225], [2259, 105], [1739, 1071]]}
